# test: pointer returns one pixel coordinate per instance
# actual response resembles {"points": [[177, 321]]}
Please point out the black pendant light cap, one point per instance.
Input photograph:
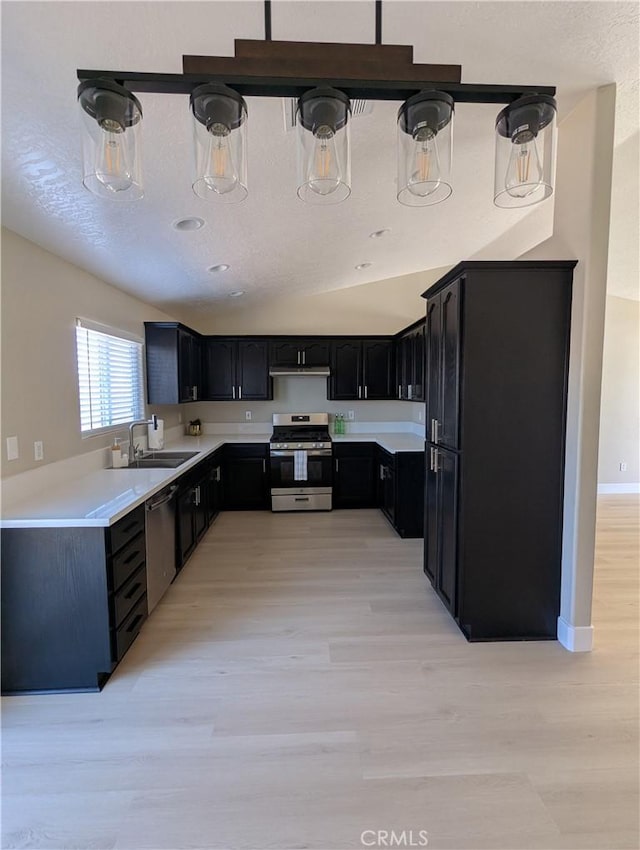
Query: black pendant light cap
{"points": [[212, 103], [324, 107], [109, 103], [531, 113], [431, 109]]}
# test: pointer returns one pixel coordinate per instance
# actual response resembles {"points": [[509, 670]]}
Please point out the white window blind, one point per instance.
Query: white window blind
{"points": [[110, 378]]}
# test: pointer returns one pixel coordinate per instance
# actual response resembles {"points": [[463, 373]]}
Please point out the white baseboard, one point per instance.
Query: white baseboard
{"points": [[633, 487], [575, 638]]}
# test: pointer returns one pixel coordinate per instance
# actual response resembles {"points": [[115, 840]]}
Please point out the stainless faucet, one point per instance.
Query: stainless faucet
{"points": [[135, 451]]}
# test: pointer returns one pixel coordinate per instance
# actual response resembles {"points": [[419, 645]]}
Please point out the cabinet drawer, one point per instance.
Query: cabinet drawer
{"points": [[130, 628], [127, 562], [126, 529], [128, 595]]}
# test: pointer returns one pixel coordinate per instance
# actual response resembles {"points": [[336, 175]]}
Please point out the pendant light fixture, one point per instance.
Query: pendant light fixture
{"points": [[425, 139], [324, 152], [111, 119], [525, 151], [220, 122]]}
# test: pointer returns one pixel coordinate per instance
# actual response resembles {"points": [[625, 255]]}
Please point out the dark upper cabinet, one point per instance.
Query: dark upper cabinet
{"points": [[295, 351], [410, 357], [345, 382], [219, 368], [361, 369], [377, 369], [353, 477], [497, 364], [443, 366], [252, 370], [174, 363], [236, 369]]}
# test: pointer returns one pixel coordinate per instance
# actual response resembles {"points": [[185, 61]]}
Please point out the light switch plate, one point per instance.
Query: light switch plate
{"points": [[351, 415], [12, 448], [38, 450]]}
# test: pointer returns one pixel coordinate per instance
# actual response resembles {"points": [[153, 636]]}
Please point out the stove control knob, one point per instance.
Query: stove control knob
{"points": [[300, 445]]}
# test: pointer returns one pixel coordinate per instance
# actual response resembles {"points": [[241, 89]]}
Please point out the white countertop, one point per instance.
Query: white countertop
{"points": [[392, 442], [104, 496]]}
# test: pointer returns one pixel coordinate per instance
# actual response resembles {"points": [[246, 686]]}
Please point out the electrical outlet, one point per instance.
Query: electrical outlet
{"points": [[247, 415], [623, 466], [351, 415], [12, 448], [38, 450]]}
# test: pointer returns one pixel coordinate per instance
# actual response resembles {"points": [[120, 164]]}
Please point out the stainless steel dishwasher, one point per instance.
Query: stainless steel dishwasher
{"points": [[161, 543]]}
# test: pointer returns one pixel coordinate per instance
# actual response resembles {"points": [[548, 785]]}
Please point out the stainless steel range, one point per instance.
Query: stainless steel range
{"points": [[301, 462]]}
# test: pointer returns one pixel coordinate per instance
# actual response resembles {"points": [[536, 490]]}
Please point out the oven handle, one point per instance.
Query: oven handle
{"points": [[309, 452]]}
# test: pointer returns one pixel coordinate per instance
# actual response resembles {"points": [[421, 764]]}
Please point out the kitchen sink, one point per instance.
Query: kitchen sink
{"points": [[161, 460]]}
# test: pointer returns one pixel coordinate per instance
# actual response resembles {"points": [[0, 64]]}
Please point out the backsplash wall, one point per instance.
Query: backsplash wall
{"points": [[302, 395]]}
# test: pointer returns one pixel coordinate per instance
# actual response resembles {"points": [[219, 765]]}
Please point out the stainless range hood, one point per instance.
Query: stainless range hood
{"points": [[299, 372]]}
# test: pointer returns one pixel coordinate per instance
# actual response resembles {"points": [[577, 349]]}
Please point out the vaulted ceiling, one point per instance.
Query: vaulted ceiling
{"points": [[274, 243]]}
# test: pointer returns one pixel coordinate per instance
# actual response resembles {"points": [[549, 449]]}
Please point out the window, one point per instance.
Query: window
{"points": [[109, 377]]}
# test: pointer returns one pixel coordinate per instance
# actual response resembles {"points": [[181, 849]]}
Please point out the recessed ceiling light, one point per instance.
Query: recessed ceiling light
{"points": [[237, 293], [377, 234], [221, 267], [361, 266], [188, 223]]}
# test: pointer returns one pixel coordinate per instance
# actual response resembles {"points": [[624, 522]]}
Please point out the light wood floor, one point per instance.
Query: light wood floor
{"points": [[301, 683]]}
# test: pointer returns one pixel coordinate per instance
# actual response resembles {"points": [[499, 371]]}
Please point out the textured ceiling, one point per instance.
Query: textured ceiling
{"points": [[274, 243]]}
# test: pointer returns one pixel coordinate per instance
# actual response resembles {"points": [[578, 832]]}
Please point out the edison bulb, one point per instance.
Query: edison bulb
{"points": [[221, 174], [112, 169], [524, 171], [324, 172], [425, 163]]}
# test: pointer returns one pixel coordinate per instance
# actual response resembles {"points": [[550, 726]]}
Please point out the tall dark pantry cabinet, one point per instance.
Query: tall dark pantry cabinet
{"points": [[497, 354]]}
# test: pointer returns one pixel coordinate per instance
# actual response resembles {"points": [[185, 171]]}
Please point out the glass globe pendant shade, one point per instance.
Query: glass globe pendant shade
{"points": [[425, 142], [111, 118], [219, 126], [525, 151], [324, 153]]}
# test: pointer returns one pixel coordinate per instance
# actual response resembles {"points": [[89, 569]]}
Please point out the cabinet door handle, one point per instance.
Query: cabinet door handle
{"points": [[399, 390], [194, 394], [304, 358], [217, 473], [337, 464], [133, 590], [359, 392], [366, 391], [264, 467], [431, 459], [381, 472], [234, 393], [298, 358], [240, 391], [135, 622], [436, 428]]}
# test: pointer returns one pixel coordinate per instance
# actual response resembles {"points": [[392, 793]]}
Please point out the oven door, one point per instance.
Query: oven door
{"points": [[316, 472]]}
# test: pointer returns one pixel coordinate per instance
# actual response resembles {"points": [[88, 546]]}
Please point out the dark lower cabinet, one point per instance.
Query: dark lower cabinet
{"points": [[246, 477], [73, 601], [214, 487], [441, 500], [400, 490], [353, 475]]}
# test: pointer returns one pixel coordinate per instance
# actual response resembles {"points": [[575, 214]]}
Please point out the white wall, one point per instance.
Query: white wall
{"points": [[620, 415], [581, 231], [42, 295], [303, 395]]}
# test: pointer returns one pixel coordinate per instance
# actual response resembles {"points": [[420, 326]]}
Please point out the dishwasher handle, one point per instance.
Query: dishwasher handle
{"points": [[153, 506]]}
